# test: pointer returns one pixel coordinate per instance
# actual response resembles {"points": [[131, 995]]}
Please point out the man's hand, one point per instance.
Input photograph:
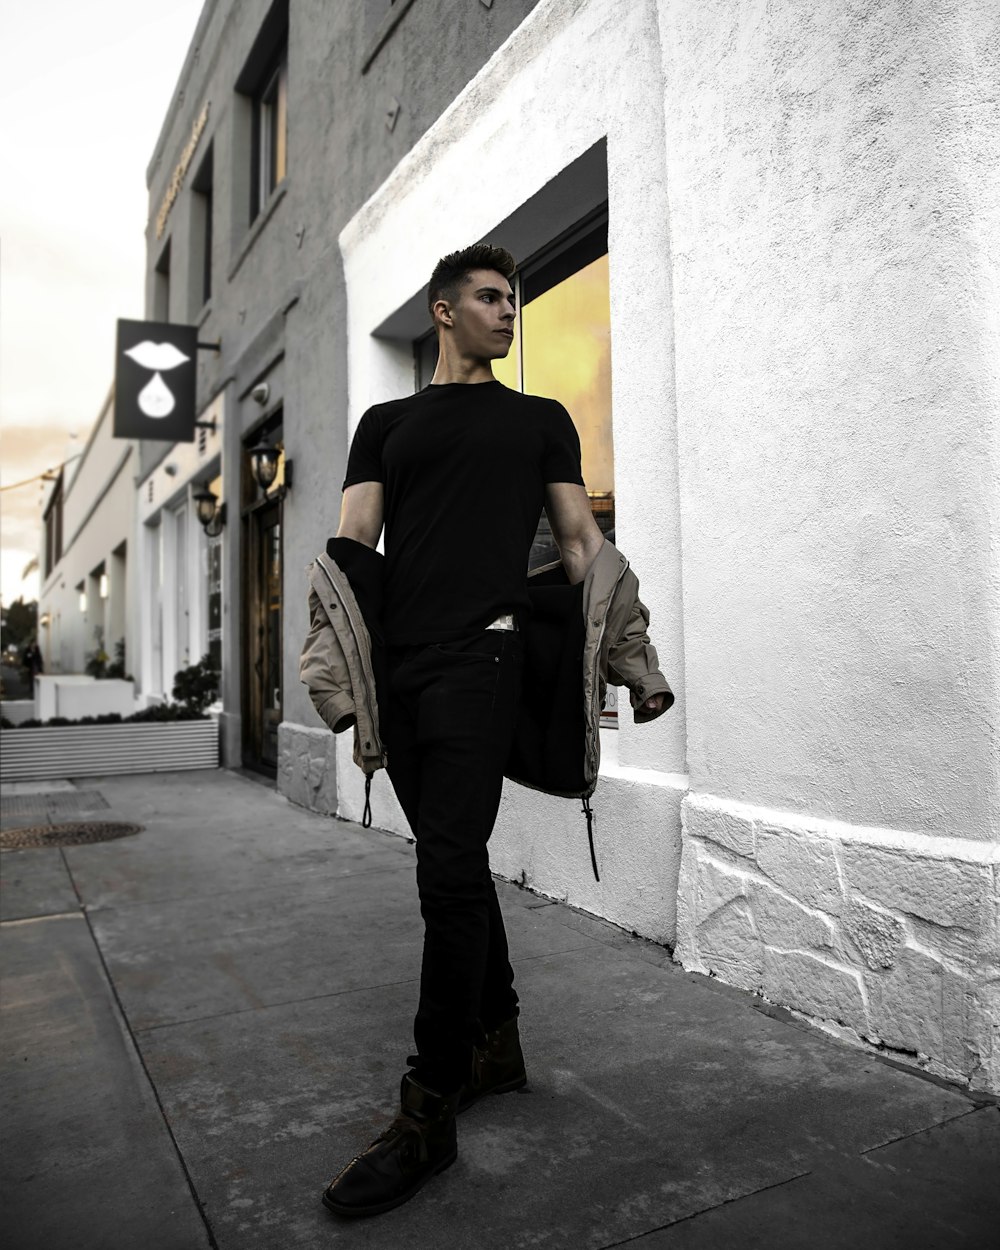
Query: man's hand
{"points": [[655, 703]]}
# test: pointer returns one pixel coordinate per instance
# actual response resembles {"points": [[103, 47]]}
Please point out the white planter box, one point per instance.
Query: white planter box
{"points": [[75, 694], [57, 751]]}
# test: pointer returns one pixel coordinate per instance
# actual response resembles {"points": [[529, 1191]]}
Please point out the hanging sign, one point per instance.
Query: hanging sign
{"points": [[155, 372]]}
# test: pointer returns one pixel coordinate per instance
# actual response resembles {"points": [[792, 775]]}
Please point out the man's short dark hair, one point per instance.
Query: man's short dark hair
{"points": [[453, 270]]}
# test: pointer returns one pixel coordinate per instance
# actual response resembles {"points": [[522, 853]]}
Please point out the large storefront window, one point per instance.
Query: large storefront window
{"points": [[562, 350]]}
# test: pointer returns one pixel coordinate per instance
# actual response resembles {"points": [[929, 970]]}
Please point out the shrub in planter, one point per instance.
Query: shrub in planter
{"points": [[197, 685], [117, 666], [166, 712], [97, 660]]}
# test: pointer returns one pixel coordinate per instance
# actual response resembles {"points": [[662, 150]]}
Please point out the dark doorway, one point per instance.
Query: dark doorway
{"points": [[262, 615], [262, 713]]}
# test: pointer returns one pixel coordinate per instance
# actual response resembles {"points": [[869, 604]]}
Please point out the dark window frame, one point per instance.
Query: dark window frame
{"points": [[203, 186], [270, 102], [265, 62]]}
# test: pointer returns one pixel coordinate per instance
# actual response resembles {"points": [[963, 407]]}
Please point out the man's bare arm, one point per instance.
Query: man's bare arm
{"points": [[361, 513], [573, 526]]}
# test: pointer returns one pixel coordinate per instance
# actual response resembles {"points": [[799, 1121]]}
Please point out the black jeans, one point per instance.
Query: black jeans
{"points": [[451, 720]]}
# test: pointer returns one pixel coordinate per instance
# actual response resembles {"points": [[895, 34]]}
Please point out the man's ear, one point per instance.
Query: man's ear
{"points": [[442, 313]]}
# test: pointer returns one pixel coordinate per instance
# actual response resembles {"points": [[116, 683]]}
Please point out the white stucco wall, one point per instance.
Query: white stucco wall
{"points": [[833, 212], [803, 227]]}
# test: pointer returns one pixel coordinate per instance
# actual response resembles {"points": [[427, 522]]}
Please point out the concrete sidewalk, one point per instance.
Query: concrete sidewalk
{"points": [[203, 1022]]}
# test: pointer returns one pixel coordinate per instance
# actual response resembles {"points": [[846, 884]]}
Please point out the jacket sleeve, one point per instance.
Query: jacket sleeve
{"points": [[633, 662], [323, 668]]}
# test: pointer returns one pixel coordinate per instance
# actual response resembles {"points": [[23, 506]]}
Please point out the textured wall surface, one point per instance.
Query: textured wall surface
{"points": [[307, 771], [833, 216], [894, 937], [834, 227]]}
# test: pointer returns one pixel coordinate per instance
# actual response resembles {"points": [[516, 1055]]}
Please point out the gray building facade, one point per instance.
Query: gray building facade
{"points": [[286, 118]]}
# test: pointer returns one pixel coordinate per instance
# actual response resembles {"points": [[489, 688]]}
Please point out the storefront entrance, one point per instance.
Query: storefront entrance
{"points": [[262, 674]]}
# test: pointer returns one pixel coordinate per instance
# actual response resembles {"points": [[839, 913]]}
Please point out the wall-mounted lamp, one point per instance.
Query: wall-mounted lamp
{"points": [[264, 463], [211, 513]]}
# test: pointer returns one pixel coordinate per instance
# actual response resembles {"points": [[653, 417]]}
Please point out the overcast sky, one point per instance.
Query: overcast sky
{"points": [[83, 93]]}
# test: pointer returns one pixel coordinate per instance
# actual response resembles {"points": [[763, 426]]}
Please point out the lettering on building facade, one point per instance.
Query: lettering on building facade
{"points": [[177, 177]]}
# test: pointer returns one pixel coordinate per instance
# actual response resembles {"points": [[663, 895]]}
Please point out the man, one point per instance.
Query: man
{"points": [[458, 474]]}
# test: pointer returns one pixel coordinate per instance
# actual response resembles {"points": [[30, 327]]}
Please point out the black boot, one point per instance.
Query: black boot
{"points": [[419, 1143], [497, 1065]]}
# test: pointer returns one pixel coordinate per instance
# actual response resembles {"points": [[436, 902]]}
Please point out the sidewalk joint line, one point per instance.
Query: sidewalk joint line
{"points": [[312, 998], [929, 1128], [98, 907], [285, 1002], [199, 1206], [612, 1245]]}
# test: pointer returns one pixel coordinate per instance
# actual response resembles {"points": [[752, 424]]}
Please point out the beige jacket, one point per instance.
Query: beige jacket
{"points": [[336, 662], [617, 650]]}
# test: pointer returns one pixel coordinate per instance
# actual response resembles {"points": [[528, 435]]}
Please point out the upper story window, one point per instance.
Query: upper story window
{"points": [[270, 132], [260, 130], [562, 350], [203, 204]]}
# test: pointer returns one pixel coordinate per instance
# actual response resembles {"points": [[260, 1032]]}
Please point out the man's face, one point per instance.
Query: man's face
{"points": [[483, 316]]}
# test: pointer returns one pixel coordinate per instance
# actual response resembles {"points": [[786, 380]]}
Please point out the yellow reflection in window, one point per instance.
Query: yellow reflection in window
{"points": [[280, 107], [566, 344]]}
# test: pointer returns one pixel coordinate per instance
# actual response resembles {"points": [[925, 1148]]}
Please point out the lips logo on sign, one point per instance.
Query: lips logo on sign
{"points": [[156, 398]]}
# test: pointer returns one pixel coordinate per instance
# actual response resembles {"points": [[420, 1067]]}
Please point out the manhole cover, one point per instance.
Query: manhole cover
{"points": [[76, 834]]}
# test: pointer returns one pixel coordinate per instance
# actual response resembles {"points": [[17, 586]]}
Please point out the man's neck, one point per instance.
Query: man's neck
{"points": [[461, 369]]}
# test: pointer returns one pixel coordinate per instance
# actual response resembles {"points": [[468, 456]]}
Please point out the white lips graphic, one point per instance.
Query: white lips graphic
{"points": [[156, 355]]}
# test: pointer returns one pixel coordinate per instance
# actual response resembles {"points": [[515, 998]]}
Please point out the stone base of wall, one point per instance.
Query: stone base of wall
{"points": [[886, 935], [307, 767]]}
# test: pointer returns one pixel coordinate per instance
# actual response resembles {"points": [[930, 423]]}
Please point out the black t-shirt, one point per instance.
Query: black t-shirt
{"points": [[464, 466]]}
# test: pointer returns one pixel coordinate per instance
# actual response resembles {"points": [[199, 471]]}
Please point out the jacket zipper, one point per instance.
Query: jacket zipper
{"points": [[597, 653], [366, 670]]}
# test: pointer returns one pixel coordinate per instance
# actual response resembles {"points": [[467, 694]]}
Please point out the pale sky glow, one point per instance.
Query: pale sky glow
{"points": [[83, 94]]}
